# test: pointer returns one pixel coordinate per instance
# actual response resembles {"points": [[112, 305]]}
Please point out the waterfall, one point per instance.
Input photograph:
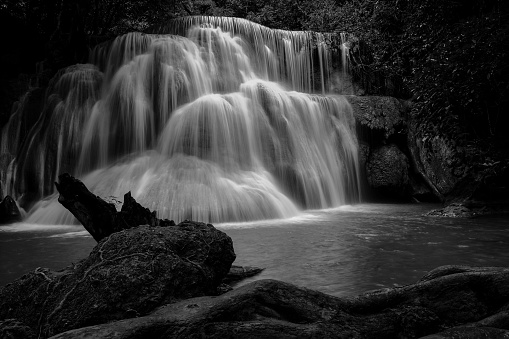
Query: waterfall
{"points": [[211, 119]]}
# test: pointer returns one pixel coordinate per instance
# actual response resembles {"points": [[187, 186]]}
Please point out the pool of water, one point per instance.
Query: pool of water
{"points": [[343, 251]]}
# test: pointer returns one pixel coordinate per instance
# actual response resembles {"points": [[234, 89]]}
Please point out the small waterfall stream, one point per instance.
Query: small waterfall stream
{"points": [[210, 119]]}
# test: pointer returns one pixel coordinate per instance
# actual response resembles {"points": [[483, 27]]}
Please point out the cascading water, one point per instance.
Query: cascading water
{"points": [[215, 124]]}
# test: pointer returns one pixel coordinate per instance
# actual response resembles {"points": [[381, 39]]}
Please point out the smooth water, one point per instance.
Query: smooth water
{"points": [[342, 251]]}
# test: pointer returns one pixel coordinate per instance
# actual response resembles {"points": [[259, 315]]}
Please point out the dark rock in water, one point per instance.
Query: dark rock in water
{"points": [[470, 209], [13, 329], [454, 210], [387, 172], [9, 211], [128, 274], [446, 304], [99, 217]]}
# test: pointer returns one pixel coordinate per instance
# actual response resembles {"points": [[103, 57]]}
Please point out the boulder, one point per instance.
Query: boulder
{"points": [[9, 211], [454, 210], [378, 113], [381, 124], [388, 172], [471, 209], [442, 165], [128, 274], [450, 300], [437, 158]]}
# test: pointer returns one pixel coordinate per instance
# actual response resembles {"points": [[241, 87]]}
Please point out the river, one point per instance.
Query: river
{"points": [[343, 251]]}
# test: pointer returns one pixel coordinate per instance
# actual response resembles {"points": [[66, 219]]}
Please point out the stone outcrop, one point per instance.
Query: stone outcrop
{"points": [[436, 164], [128, 274], [461, 175], [388, 172], [436, 159], [448, 302], [389, 168], [376, 113], [9, 211]]}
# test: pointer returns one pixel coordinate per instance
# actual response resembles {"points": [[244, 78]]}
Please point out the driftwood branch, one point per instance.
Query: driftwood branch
{"points": [[99, 217]]}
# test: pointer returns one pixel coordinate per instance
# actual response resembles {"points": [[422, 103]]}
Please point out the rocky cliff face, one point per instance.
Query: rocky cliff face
{"points": [[388, 172], [391, 171], [401, 162], [377, 114], [437, 158]]}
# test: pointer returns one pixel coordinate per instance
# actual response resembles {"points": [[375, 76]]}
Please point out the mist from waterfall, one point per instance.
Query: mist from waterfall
{"points": [[212, 119]]}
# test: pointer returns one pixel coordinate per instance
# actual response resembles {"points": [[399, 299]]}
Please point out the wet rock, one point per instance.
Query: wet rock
{"points": [[388, 172], [128, 274], [470, 209], [9, 211], [450, 301], [382, 125], [378, 113], [441, 163], [436, 158], [454, 210]]}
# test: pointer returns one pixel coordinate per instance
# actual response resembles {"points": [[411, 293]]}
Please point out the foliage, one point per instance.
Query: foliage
{"points": [[449, 57]]}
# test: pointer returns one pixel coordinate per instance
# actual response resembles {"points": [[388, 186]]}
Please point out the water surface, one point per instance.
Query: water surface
{"points": [[344, 251]]}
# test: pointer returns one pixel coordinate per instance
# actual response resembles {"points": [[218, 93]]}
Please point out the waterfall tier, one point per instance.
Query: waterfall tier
{"points": [[219, 123]]}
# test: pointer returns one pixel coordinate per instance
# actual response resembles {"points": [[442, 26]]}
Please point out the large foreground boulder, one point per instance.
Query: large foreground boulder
{"points": [[128, 274], [449, 302]]}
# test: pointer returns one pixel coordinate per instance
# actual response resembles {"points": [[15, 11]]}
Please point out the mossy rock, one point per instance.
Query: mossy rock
{"points": [[127, 274], [378, 113]]}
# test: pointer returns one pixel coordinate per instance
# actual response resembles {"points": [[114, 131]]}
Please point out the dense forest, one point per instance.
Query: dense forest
{"points": [[448, 58]]}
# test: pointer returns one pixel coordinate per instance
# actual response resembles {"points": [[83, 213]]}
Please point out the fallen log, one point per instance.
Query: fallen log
{"points": [[100, 218], [238, 273]]}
